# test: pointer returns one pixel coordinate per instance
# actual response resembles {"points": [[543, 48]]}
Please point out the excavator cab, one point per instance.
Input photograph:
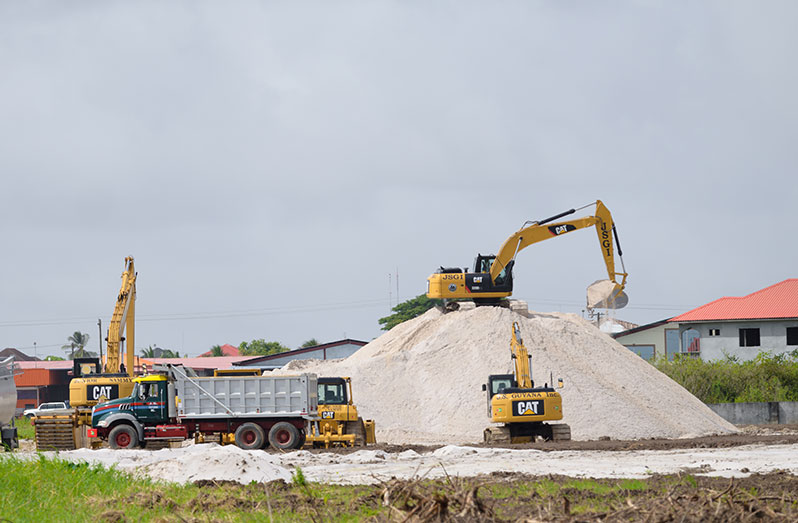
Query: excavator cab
{"points": [[497, 384]]}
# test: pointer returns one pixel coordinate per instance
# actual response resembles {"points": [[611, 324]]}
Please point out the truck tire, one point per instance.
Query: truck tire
{"points": [[250, 436], [284, 436], [123, 437]]}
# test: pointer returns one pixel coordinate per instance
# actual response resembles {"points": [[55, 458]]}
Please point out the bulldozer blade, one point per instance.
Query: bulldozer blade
{"points": [[606, 294]]}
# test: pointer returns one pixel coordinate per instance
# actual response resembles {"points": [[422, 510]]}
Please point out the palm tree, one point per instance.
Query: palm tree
{"points": [[149, 352], [310, 343], [78, 340], [216, 351]]}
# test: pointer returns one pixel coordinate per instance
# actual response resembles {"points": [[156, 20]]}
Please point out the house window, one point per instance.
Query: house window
{"points": [[792, 335], [644, 351], [749, 337], [714, 332]]}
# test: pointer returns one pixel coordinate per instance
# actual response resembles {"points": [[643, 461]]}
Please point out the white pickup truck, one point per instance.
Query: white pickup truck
{"points": [[44, 408]]}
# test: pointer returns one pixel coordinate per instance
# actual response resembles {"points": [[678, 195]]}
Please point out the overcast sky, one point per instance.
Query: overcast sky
{"points": [[271, 166]]}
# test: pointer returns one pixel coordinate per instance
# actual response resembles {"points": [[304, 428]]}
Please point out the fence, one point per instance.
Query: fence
{"points": [[770, 412]]}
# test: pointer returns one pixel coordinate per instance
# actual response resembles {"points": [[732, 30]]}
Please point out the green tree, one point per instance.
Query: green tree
{"points": [[407, 310], [216, 351], [53, 358], [261, 347], [76, 345], [157, 352], [312, 342]]}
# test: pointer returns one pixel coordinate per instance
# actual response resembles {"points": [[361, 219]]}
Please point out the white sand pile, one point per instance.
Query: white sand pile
{"points": [[422, 381], [209, 461]]}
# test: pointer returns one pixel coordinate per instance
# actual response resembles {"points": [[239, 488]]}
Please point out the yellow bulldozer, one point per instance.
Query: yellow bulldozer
{"points": [[340, 423], [491, 280], [522, 410], [91, 384]]}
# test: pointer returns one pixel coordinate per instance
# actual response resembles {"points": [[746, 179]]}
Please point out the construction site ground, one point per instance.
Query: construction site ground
{"points": [[736, 477]]}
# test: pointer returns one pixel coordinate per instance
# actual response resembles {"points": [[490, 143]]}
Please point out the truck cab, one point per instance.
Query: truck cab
{"points": [[148, 404]]}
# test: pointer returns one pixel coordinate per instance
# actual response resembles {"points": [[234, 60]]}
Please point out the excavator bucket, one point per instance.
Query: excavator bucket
{"points": [[606, 294]]}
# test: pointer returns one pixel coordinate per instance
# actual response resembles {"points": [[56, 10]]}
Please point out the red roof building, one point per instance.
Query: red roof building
{"points": [[775, 302], [744, 326], [227, 350]]}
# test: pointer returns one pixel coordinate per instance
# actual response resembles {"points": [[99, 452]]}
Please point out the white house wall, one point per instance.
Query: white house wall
{"points": [[654, 336], [772, 338]]}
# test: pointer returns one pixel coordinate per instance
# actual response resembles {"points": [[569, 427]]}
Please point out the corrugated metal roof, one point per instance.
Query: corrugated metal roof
{"points": [[50, 365], [210, 363], [777, 301]]}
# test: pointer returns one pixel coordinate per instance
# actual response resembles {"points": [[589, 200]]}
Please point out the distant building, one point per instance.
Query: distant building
{"points": [[227, 350], [18, 355], [764, 321], [325, 351], [651, 341]]}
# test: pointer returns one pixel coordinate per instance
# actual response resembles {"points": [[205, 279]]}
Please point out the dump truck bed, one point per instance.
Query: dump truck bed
{"points": [[247, 396]]}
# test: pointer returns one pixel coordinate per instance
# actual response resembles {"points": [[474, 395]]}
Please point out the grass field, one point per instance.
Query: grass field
{"points": [[41, 489]]}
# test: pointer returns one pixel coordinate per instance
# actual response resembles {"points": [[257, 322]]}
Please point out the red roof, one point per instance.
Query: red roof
{"points": [[777, 301], [227, 350]]}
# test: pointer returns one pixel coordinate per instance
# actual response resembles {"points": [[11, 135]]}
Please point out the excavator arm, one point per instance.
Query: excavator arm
{"points": [[545, 229], [523, 370], [123, 317]]}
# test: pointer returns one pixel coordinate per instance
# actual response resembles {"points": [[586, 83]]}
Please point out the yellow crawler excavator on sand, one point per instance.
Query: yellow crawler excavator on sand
{"points": [[492, 278], [90, 385], [522, 409]]}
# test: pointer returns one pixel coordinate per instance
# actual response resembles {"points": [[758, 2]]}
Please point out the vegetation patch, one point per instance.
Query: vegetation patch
{"points": [[767, 377], [56, 490]]}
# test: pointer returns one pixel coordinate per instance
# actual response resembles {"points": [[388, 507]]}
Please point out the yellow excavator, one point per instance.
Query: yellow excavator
{"points": [[492, 278], [340, 423], [90, 384], [520, 408]]}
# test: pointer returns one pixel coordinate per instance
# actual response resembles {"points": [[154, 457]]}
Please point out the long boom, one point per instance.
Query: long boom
{"points": [[523, 371], [123, 317], [544, 229]]}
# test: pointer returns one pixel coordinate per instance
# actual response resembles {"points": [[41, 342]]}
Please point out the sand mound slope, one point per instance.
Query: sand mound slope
{"points": [[422, 381]]}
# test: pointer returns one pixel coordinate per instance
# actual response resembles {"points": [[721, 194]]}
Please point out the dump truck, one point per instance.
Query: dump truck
{"points": [[173, 404], [8, 404]]}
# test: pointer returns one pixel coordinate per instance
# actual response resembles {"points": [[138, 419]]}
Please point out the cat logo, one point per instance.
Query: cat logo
{"points": [[528, 408], [477, 279], [102, 393], [327, 414]]}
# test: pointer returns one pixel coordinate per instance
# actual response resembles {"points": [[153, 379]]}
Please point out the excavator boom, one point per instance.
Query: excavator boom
{"points": [[123, 318]]}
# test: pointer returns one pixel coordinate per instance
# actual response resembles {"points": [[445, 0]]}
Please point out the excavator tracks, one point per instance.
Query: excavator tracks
{"points": [[502, 435]]}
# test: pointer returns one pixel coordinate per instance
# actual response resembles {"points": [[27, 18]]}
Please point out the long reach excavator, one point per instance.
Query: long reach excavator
{"points": [[91, 383], [492, 278]]}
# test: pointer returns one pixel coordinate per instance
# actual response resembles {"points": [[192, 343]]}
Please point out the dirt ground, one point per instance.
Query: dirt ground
{"points": [[749, 435], [515, 498]]}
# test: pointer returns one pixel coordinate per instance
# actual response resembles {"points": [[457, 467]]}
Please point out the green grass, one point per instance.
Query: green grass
{"points": [[42, 489], [24, 428]]}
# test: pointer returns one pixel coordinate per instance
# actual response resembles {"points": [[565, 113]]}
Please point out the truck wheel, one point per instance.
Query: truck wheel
{"points": [[123, 437], [283, 436], [250, 436]]}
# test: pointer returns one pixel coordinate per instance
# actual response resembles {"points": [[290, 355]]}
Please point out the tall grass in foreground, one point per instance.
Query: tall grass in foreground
{"points": [[765, 378]]}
